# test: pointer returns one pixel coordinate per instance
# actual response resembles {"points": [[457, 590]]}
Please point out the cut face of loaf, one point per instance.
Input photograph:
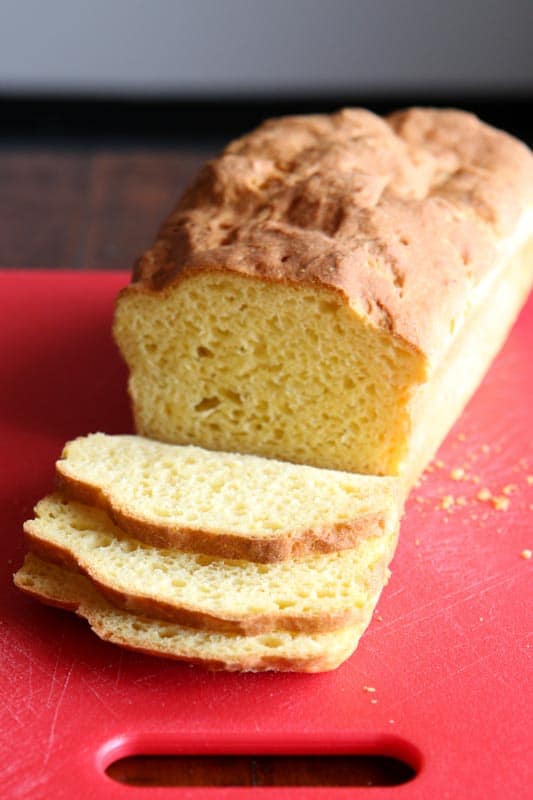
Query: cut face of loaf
{"points": [[313, 594], [331, 289], [284, 651], [225, 504], [239, 364]]}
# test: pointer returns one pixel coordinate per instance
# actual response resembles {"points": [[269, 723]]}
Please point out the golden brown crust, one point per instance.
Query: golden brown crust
{"points": [[325, 539], [48, 600], [192, 618], [319, 663], [81, 605], [402, 216]]}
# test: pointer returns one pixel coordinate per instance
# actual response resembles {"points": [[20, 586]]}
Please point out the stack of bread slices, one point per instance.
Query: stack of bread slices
{"points": [[235, 562]]}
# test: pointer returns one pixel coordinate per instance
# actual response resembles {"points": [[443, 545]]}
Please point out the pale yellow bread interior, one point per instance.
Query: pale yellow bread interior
{"points": [[234, 363], [225, 504], [284, 651], [316, 593]]}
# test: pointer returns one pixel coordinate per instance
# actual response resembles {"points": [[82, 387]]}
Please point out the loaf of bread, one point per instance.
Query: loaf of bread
{"points": [[285, 651], [312, 594], [225, 504], [331, 289], [329, 292]]}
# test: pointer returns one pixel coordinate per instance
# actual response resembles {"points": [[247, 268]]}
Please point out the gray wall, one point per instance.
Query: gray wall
{"points": [[182, 47]]}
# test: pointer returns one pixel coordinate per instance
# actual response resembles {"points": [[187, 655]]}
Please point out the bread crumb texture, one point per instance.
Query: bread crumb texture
{"points": [[283, 372]]}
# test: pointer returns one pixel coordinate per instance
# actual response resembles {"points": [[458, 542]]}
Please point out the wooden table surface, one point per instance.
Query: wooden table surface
{"points": [[86, 208]]}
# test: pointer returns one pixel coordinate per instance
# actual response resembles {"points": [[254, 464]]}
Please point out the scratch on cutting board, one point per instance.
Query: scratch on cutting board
{"points": [[149, 677], [30, 683], [60, 699], [119, 669], [12, 713], [382, 659], [437, 607], [54, 671], [489, 586], [444, 679], [159, 675], [520, 710], [100, 699], [19, 649], [395, 592], [473, 663]]}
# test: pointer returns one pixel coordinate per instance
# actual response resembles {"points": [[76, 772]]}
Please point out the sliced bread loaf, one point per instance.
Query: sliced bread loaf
{"points": [[225, 504], [284, 651], [315, 593]]}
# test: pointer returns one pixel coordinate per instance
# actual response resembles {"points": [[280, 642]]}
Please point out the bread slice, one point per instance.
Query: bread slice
{"points": [[332, 289], [284, 651], [313, 594], [224, 504]]}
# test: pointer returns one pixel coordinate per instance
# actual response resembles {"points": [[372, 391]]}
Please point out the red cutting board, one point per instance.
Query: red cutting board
{"points": [[447, 652]]}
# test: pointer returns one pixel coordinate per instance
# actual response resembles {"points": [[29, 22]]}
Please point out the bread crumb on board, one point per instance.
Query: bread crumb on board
{"points": [[457, 474], [447, 501], [499, 499], [526, 554], [369, 689], [500, 503]]}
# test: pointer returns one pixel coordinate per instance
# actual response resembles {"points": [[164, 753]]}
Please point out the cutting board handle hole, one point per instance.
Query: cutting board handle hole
{"points": [[261, 770]]}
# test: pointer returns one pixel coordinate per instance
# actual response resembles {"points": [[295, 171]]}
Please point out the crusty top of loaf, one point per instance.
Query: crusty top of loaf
{"points": [[401, 215]]}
